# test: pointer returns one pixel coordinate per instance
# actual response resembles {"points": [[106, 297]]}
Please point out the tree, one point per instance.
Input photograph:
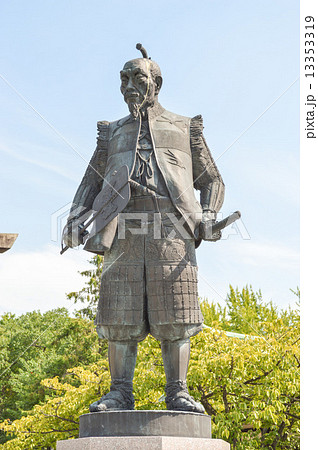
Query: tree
{"points": [[36, 346], [252, 393], [248, 384], [89, 294]]}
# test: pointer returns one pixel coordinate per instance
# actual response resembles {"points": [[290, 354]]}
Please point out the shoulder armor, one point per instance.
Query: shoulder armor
{"points": [[196, 126], [102, 132], [102, 125]]}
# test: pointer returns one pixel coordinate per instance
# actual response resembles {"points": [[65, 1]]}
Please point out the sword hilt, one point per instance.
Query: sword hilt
{"points": [[83, 232]]}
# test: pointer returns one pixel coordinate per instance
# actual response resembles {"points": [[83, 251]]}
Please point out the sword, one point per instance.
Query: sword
{"points": [[218, 226], [213, 227]]}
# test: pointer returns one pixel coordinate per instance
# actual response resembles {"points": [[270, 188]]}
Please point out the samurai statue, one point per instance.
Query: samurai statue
{"points": [[149, 282]]}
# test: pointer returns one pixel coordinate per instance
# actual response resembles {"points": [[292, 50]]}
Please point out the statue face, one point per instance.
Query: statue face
{"points": [[137, 85]]}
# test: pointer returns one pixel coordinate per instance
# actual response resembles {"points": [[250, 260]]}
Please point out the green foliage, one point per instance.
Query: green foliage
{"points": [[90, 292], [249, 386], [36, 346], [57, 418], [214, 314]]}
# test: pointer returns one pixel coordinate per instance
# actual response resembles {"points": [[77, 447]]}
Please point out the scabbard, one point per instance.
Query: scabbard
{"points": [[218, 226]]}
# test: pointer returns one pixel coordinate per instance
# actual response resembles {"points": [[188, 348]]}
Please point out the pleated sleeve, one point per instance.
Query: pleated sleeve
{"points": [[206, 176], [92, 181]]}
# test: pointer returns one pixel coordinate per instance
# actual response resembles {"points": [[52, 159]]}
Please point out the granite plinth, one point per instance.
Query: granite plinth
{"points": [[143, 443], [145, 423], [144, 430]]}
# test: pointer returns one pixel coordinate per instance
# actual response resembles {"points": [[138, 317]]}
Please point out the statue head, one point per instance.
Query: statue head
{"points": [[141, 81]]}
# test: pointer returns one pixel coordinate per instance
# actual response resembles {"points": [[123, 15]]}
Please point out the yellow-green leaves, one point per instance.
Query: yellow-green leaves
{"points": [[249, 385]]}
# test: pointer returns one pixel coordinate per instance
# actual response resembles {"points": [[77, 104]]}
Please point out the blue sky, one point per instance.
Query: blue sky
{"points": [[229, 61]]}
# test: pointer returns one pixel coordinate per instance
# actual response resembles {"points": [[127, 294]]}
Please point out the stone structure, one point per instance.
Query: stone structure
{"points": [[143, 443], [145, 423], [6, 241], [142, 430], [149, 279]]}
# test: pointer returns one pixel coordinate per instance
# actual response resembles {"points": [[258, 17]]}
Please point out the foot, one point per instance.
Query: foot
{"points": [[179, 399], [119, 398]]}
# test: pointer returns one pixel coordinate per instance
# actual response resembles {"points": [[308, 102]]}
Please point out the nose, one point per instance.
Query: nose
{"points": [[130, 85]]}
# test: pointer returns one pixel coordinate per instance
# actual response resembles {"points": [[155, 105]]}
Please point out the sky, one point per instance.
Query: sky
{"points": [[235, 62]]}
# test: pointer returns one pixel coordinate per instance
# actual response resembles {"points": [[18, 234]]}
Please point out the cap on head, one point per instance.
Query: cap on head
{"points": [[154, 68], [143, 51]]}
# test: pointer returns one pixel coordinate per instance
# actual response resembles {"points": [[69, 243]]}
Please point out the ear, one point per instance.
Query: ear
{"points": [[158, 82]]}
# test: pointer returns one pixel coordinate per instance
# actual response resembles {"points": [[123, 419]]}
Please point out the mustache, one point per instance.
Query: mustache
{"points": [[132, 96], [136, 100]]}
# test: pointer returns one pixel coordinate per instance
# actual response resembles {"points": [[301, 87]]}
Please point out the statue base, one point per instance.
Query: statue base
{"points": [[142, 443], [141, 430], [145, 423]]}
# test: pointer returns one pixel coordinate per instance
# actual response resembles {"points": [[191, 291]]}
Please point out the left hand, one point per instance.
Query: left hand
{"points": [[205, 229], [72, 235]]}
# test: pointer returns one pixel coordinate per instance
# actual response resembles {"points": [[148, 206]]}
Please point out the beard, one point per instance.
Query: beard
{"points": [[134, 109], [141, 102]]}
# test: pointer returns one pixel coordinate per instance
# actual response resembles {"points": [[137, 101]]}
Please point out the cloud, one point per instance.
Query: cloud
{"points": [[266, 254], [40, 279], [274, 171], [36, 162], [269, 266]]}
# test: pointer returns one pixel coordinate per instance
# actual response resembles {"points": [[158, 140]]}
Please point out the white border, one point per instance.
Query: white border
{"points": [[309, 240]]}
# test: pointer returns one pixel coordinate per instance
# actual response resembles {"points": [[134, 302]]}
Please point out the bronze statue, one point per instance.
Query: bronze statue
{"points": [[149, 280]]}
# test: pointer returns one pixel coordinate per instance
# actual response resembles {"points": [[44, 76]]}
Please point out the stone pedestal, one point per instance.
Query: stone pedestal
{"points": [[145, 423], [143, 430], [142, 443]]}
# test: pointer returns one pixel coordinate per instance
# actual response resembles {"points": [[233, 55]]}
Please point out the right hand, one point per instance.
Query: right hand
{"points": [[72, 235]]}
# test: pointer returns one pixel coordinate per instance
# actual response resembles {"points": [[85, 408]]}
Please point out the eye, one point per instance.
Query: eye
{"points": [[124, 79], [140, 78]]}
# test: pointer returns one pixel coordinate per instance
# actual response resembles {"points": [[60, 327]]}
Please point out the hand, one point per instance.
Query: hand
{"points": [[72, 236], [206, 227]]}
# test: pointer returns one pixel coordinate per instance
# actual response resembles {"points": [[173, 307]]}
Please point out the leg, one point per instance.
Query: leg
{"points": [[122, 360], [121, 319], [176, 356], [174, 316]]}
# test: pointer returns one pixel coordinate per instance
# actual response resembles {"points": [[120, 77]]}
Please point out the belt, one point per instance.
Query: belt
{"points": [[149, 203]]}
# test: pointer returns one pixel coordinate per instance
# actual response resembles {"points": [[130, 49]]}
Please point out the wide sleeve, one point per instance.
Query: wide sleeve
{"points": [[92, 181], [206, 177]]}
